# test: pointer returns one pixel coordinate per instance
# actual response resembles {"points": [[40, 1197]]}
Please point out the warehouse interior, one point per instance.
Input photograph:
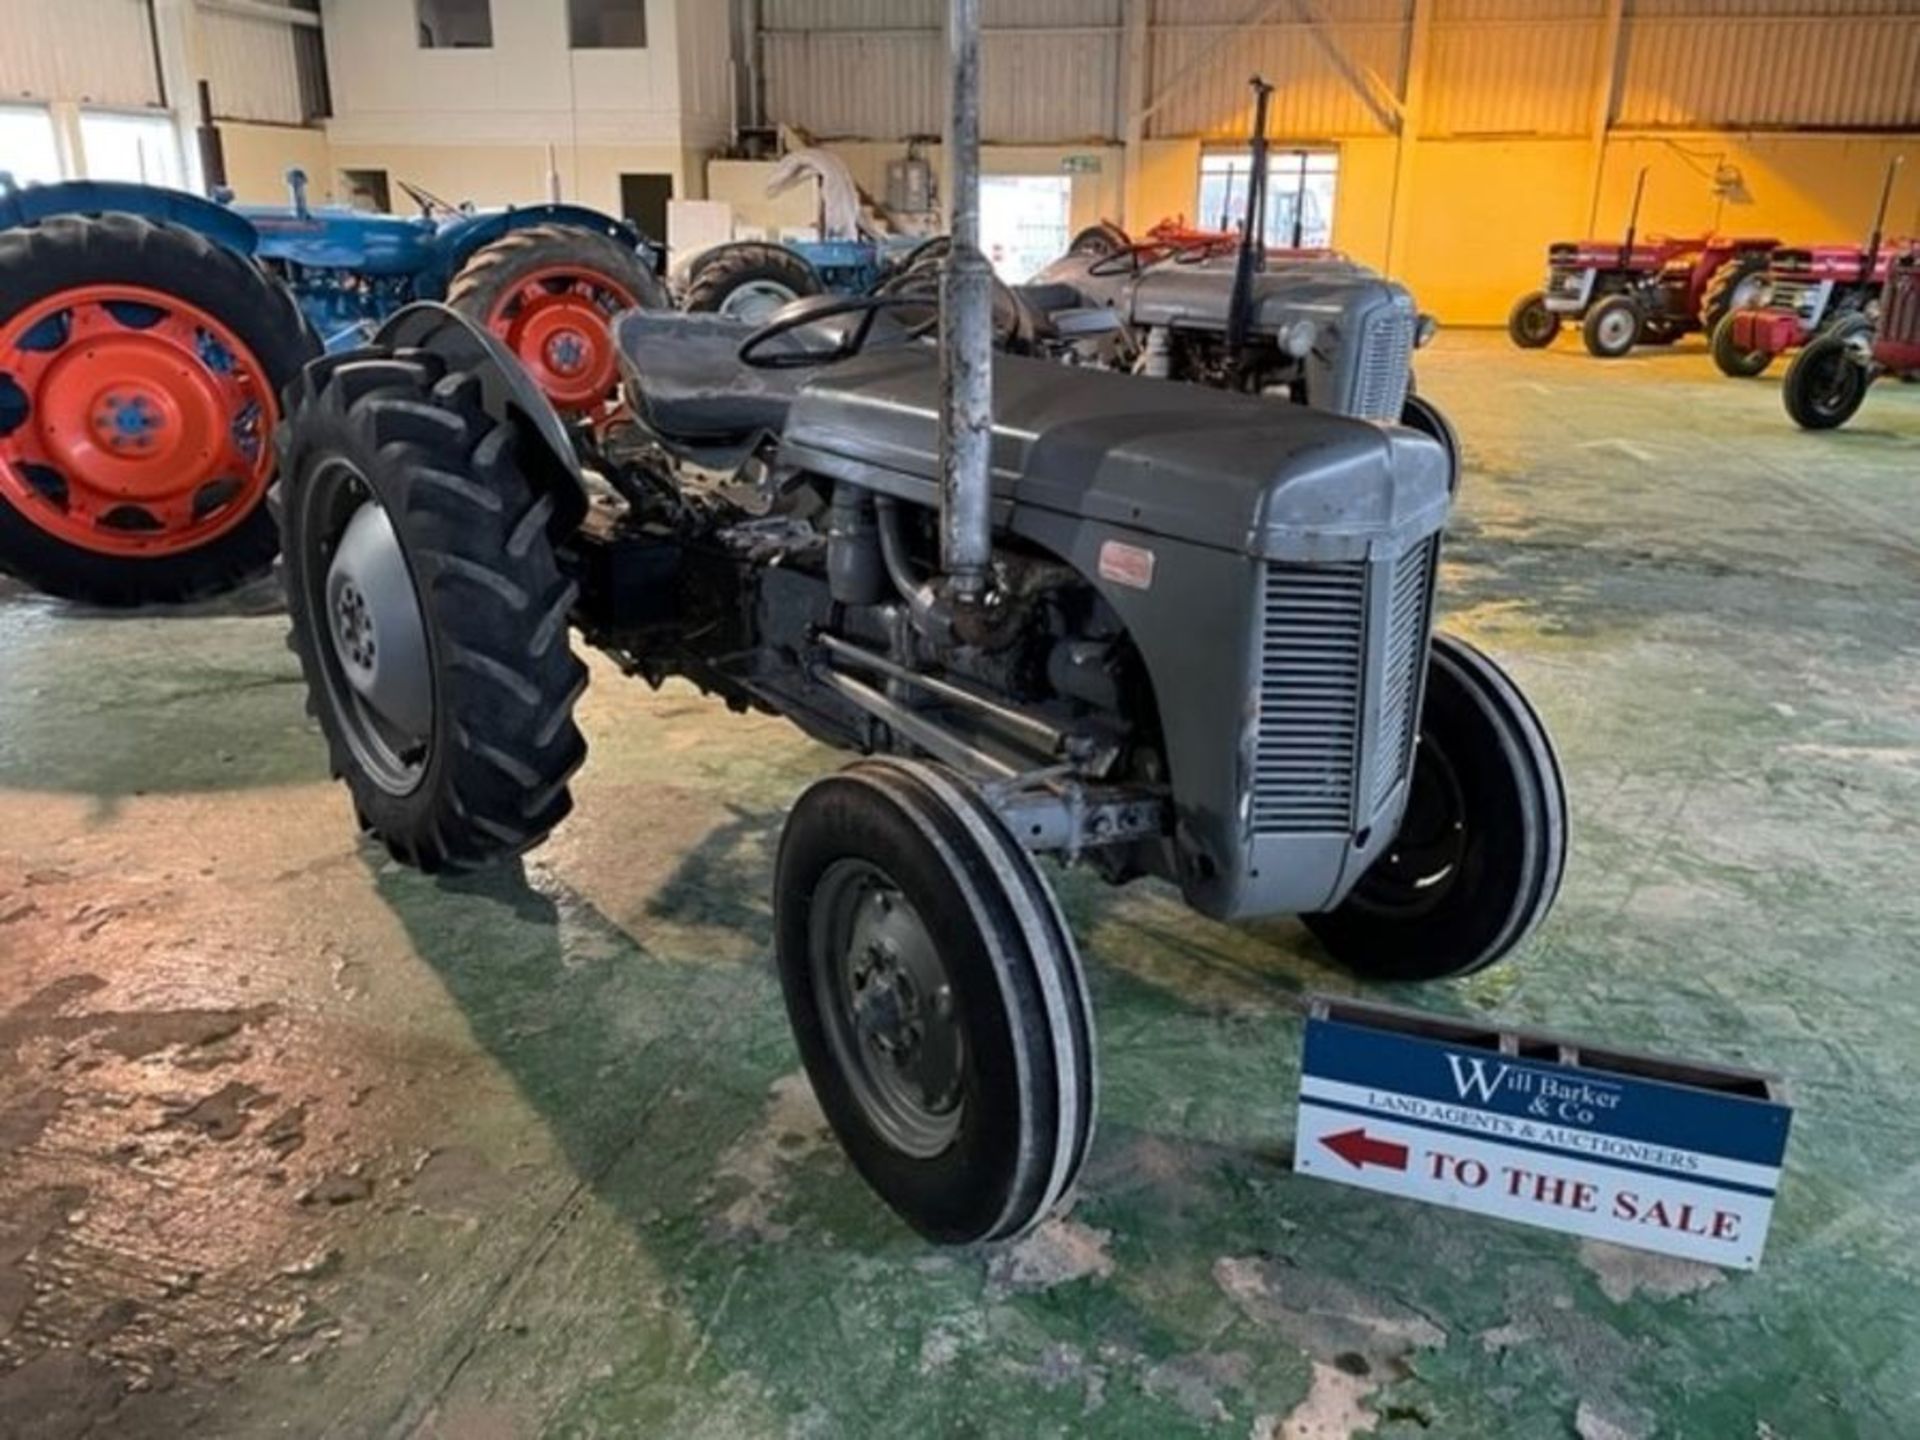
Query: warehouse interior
{"points": [[298, 1139]]}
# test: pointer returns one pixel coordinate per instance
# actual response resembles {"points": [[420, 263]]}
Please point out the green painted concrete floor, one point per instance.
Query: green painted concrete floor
{"points": [[293, 1142]]}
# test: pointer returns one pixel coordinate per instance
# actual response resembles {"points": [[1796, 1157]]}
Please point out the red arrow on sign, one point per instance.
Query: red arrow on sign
{"points": [[1360, 1150]]}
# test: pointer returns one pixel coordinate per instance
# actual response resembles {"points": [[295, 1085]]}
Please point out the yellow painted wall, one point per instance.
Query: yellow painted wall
{"points": [[259, 156]]}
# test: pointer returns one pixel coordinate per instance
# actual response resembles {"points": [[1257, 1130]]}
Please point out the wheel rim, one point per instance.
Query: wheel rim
{"points": [[888, 1007], [132, 422], [557, 321], [1832, 383], [1748, 294], [1536, 321], [1616, 329], [378, 671], [1427, 856], [757, 301]]}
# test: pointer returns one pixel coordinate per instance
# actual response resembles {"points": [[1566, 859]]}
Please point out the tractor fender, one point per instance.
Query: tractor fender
{"points": [[30, 204], [507, 392], [462, 237]]}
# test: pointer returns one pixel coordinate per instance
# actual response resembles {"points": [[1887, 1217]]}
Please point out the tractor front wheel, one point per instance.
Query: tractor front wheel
{"points": [[936, 999], [1096, 242], [1734, 360], [429, 610], [1531, 325], [1482, 846], [141, 367], [549, 294], [751, 282], [1612, 327], [1825, 385]]}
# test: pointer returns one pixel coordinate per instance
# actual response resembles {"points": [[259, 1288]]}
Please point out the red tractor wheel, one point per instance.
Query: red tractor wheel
{"points": [[549, 293], [140, 370]]}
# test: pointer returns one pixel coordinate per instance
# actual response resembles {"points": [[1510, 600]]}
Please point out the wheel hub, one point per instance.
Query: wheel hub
{"points": [[890, 1008], [556, 321], [378, 635], [140, 422]]}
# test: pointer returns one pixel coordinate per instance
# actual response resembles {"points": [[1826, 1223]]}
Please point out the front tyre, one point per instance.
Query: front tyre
{"points": [[1531, 325], [751, 282], [1612, 327], [1734, 360], [549, 294], [936, 1000], [1482, 847], [1420, 413], [1825, 385], [429, 612]]}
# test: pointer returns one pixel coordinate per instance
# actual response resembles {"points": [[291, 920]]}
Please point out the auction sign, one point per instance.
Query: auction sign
{"points": [[1663, 1155]]}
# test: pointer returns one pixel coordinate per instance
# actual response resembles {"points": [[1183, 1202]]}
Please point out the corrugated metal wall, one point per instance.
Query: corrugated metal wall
{"points": [[876, 69], [1816, 64], [253, 67], [98, 52]]}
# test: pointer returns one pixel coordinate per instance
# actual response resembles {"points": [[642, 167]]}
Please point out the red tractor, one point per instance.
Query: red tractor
{"points": [[1828, 380], [1808, 290], [1633, 292]]}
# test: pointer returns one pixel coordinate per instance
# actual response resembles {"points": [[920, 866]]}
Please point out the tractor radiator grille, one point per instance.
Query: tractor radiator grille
{"points": [[1313, 634], [1406, 654], [1386, 355], [1312, 756]]}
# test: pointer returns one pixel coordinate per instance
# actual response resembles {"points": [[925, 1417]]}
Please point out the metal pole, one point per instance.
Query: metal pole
{"points": [[966, 333]]}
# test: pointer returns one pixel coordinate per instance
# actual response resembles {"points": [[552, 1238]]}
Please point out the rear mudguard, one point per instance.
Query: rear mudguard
{"points": [[30, 204], [461, 237], [508, 393]]}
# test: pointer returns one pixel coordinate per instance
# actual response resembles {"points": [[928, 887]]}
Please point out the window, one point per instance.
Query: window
{"points": [[28, 148], [607, 24], [1023, 222], [131, 147], [454, 24], [1300, 188]]}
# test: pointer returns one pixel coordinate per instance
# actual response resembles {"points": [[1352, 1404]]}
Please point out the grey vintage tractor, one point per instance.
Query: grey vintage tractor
{"points": [[1164, 632]]}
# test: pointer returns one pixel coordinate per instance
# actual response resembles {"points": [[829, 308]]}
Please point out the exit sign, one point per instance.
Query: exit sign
{"points": [[1662, 1155]]}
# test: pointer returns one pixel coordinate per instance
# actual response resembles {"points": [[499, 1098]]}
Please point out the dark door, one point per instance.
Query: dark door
{"points": [[643, 200]]}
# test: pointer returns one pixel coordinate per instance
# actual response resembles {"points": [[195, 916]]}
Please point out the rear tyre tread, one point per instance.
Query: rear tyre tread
{"points": [[505, 746]]}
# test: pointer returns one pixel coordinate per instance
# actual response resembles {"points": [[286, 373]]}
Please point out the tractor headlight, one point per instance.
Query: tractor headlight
{"points": [[1424, 329], [1297, 339]]}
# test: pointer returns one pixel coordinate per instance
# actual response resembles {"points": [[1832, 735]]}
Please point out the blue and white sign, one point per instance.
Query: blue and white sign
{"points": [[1654, 1163]]}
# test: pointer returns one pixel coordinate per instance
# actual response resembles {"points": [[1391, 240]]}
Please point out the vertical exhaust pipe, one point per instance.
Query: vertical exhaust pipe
{"points": [[1633, 218], [966, 334], [1880, 220]]}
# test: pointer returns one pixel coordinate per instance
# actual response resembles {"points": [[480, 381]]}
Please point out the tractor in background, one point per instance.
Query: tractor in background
{"points": [[1828, 380], [1176, 239], [1808, 289], [861, 244], [147, 334], [1641, 292]]}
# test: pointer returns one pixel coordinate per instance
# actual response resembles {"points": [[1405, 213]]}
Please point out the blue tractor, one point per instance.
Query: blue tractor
{"points": [[146, 336]]}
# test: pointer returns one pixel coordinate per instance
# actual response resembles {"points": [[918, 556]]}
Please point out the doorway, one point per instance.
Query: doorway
{"points": [[643, 200]]}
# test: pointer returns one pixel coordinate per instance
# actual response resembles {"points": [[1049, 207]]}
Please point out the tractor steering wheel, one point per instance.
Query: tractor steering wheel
{"points": [[426, 199], [815, 309]]}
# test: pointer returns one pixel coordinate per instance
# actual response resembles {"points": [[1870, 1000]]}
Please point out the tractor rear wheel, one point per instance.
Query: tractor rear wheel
{"points": [[1734, 360], [1738, 284], [1825, 385], [1612, 327], [936, 999], [549, 294], [429, 610], [141, 367], [1531, 325], [1482, 846], [751, 282]]}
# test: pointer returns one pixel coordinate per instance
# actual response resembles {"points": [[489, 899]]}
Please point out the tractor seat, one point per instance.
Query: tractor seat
{"points": [[682, 375], [1054, 309]]}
